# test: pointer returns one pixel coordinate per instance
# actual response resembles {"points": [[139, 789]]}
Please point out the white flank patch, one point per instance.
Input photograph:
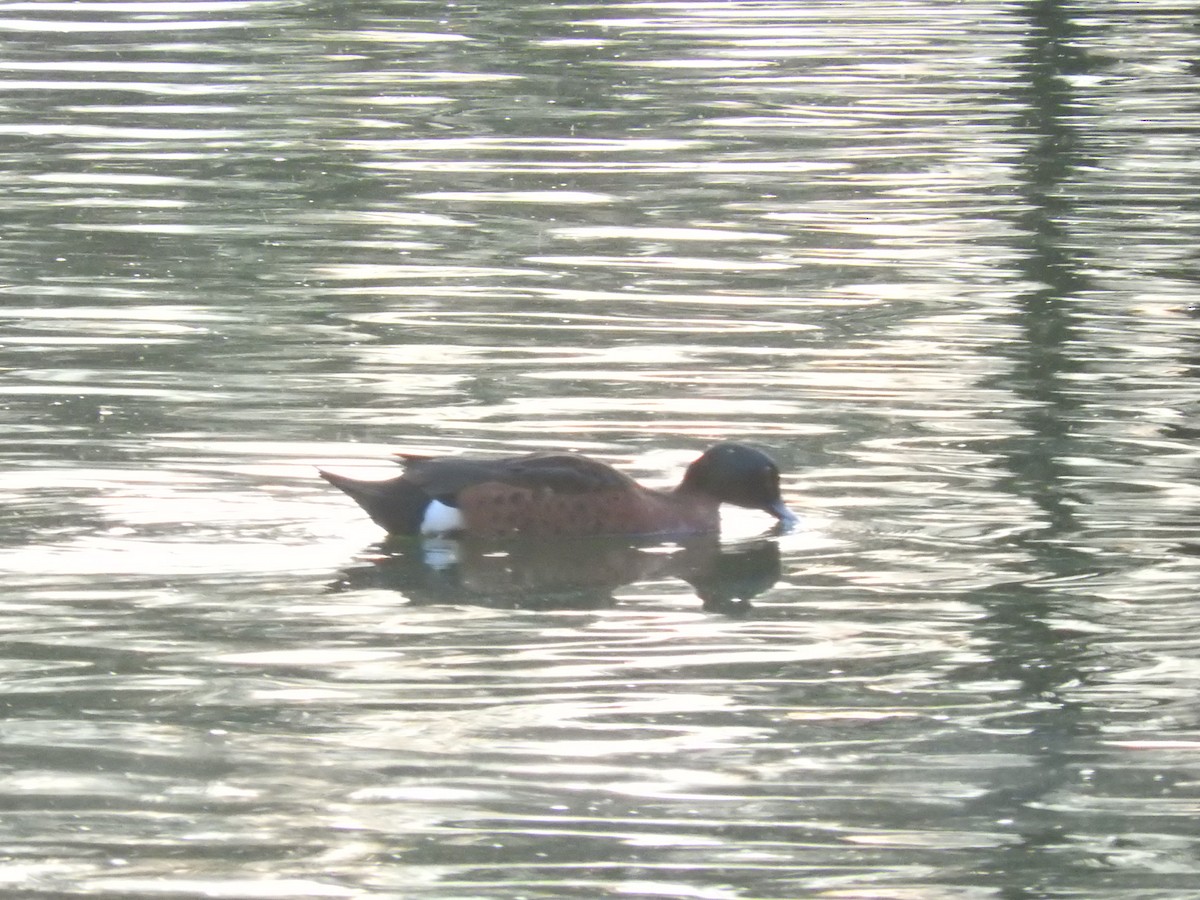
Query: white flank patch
{"points": [[441, 519]]}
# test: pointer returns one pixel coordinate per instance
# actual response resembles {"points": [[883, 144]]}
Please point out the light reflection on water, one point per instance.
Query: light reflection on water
{"points": [[936, 259]]}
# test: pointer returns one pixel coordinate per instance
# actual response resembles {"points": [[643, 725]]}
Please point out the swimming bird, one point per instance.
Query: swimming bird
{"points": [[563, 494]]}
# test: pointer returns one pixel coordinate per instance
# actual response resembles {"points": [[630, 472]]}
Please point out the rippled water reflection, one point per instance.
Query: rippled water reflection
{"points": [[938, 259]]}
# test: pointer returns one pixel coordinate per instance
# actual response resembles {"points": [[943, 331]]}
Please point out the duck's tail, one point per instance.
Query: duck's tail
{"points": [[395, 505]]}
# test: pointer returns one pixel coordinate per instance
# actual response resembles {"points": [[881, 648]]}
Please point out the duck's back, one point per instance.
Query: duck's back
{"points": [[446, 477]]}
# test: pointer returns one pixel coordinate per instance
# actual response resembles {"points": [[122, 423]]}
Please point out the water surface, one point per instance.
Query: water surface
{"points": [[939, 260]]}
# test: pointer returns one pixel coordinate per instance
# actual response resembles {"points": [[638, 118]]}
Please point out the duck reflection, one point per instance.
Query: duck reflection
{"points": [[572, 573]]}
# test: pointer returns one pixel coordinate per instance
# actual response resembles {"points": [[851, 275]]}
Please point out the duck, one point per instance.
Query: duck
{"points": [[553, 494]]}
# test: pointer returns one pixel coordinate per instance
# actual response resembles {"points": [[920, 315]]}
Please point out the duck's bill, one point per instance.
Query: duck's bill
{"points": [[787, 519]]}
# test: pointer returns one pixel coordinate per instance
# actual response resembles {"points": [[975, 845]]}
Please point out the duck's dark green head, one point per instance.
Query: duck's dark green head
{"points": [[737, 474]]}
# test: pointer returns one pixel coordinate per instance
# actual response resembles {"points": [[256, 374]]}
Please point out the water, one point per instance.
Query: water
{"points": [[939, 259]]}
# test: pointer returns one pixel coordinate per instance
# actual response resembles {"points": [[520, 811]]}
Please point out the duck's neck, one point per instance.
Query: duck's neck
{"points": [[696, 510]]}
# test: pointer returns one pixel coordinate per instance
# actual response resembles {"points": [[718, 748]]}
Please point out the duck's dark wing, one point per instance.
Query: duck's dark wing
{"points": [[563, 473]]}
